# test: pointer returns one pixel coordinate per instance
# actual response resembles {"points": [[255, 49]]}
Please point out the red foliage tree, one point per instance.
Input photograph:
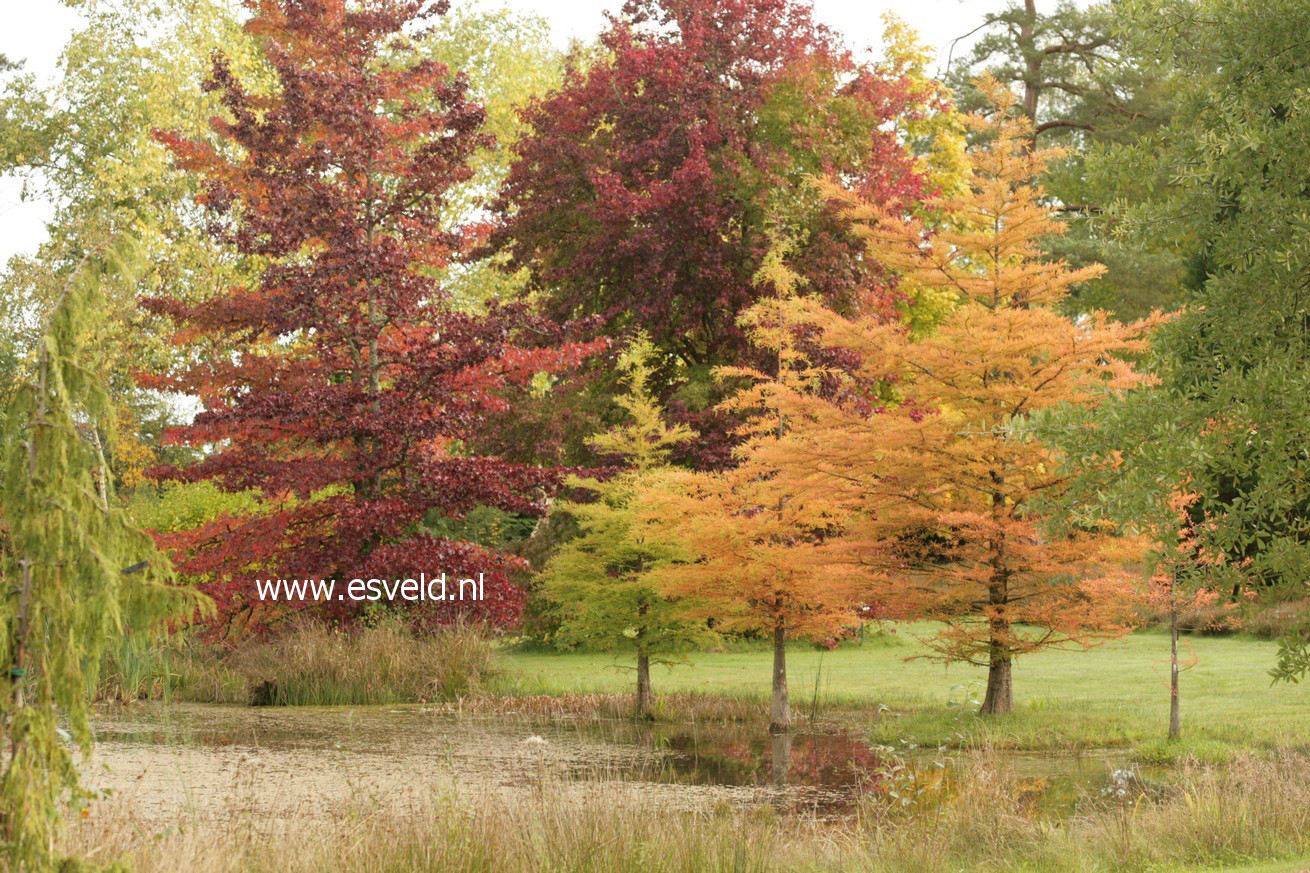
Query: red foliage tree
{"points": [[352, 385], [651, 184]]}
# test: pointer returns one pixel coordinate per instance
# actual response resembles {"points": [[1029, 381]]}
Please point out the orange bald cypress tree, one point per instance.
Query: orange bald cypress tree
{"points": [[759, 556], [923, 441]]}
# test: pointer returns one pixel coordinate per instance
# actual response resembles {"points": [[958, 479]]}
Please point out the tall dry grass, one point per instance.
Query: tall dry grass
{"points": [[509, 702], [1255, 809], [310, 665]]}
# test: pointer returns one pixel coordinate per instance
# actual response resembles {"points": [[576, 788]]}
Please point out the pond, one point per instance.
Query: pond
{"points": [[201, 761]]}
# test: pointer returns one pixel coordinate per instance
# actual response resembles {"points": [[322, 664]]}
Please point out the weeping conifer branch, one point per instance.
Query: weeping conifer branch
{"points": [[65, 593]]}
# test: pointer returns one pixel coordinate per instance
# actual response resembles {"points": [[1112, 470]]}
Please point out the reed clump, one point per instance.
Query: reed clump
{"points": [[311, 664]]}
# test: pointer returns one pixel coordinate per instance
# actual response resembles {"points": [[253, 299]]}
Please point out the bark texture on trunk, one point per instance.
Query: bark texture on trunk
{"points": [[645, 703], [1032, 65], [1000, 691], [780, 710], [1000, 694]]}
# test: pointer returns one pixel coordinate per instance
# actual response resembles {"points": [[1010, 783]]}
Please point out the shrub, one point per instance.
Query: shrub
{"points": [[1270, 622]]}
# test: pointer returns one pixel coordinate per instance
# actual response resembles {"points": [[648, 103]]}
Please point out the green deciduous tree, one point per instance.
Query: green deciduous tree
{"points": [[1230, 417]]}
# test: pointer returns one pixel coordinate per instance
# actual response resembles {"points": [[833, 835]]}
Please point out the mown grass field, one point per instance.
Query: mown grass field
{"points": [[1114, 695]]}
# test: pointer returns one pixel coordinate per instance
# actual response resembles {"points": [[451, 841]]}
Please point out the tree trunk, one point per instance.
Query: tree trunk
{"points": [[645, 704], [780, 751], [780, 711], [1000, 695], [1032, 62], [1175, 717]]}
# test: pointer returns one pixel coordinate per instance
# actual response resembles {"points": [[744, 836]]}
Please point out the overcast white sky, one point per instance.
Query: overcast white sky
{"points": [[35, 31]]}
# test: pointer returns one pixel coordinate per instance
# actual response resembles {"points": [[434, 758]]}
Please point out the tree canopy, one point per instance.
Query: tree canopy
{"points": [[354, 378]]}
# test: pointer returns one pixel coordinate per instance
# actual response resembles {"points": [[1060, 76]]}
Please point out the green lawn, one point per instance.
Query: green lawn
{"points": [[1115, 695]]}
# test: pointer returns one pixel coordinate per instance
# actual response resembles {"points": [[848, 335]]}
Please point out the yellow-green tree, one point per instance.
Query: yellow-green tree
{"points": [[74, 572], [601, 581]]}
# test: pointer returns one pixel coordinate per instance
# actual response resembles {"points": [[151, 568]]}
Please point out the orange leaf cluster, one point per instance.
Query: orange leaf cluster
{"points": [[923, 443]]}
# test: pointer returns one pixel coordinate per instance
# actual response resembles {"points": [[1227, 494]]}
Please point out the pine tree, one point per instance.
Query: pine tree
{"points": [[1087, 86], [76, 575], [601, 581]]}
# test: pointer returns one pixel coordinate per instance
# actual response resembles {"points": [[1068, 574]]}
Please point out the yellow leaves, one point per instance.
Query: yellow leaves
{"points": [[132, 457], [938, 131], [313, 246], [929, 306], [774, 269], [541, 384], [902, 47], [644, 441]]}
